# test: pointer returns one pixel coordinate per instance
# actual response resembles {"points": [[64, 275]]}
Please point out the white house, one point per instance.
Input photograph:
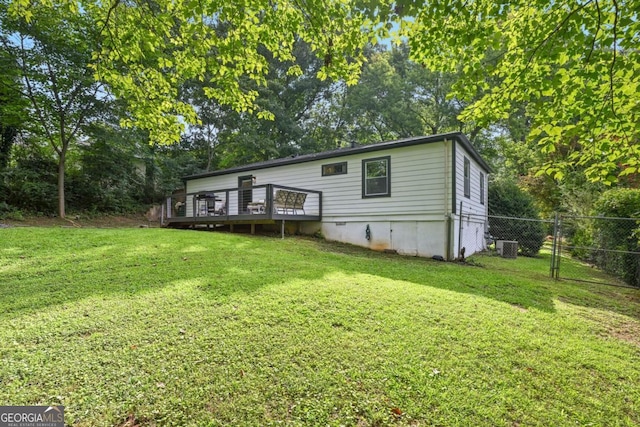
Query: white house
{"points": [[423, 196]]}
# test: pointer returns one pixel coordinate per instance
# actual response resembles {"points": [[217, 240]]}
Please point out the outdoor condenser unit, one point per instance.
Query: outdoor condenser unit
{"points": [[507, 248]]}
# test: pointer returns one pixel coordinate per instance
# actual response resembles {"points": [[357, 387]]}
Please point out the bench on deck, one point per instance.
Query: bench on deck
{"points": [[286, 201]]}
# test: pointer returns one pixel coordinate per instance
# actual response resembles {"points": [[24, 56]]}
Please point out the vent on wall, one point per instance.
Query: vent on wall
{"points": [[507, 248]]}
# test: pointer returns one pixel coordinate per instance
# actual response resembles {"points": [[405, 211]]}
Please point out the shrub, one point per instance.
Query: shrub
{"points": [[30, 185], [507, 199], [619, 235]]}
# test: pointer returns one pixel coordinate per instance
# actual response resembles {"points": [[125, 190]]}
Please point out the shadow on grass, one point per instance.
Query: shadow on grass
{"points": [[47, 267]]}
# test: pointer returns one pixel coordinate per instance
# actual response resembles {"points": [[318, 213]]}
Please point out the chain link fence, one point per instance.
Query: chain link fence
{"points": [[611, 246], [529, 233]]}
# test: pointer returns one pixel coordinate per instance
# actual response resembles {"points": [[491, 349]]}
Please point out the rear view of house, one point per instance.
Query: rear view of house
{"points": [[422, 196]]}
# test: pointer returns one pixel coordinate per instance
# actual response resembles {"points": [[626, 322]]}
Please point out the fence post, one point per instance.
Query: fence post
{"points": [[554, 254], [460, 230]]}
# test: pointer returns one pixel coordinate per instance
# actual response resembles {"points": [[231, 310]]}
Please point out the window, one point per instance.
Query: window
{"points": [[376, 177], [481, 188], [467, 178], [334, 169]]}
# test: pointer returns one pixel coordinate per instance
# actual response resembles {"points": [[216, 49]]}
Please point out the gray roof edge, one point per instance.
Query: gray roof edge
{"points": [[457, 136], [464, 141]]}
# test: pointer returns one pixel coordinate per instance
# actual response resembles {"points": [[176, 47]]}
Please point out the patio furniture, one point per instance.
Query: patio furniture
{"points": [[286, 201]]}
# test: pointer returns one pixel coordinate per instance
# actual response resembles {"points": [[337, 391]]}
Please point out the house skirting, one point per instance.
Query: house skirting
{"points": [[423, 238]]}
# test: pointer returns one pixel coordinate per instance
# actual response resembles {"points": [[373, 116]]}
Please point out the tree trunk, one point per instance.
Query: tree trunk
{"points": [[61, 164]]}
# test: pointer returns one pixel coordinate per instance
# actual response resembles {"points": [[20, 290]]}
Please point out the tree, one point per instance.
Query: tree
{"points": [[149, 49], [52, 51], [226, 138], [394, 98], [379, 107], [30, 182], [10, 108], [108, 174], [576, 65]]}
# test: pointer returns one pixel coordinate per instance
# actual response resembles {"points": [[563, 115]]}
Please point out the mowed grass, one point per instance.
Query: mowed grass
{"points": [[159, 327]]}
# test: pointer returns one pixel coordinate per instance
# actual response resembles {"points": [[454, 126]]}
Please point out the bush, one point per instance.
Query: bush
{"points": [[619, 235], [31, 185], [580, 235], [507, 199]]}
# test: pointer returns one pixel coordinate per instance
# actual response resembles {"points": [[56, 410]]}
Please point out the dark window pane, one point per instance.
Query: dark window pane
{"points": [[377, 169], [334, 169], [376, 185]]}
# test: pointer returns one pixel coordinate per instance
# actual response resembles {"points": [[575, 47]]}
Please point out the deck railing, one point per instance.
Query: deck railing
{"points": [[267, 201]]}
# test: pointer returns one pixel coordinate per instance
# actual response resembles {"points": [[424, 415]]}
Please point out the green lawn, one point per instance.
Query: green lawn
{"points": [[160, 327]]}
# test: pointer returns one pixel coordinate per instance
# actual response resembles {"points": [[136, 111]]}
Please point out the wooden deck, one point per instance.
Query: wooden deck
{"points": [[266, 204]]}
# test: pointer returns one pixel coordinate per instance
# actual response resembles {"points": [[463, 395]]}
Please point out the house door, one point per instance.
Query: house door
{"points": [[245, 194]]}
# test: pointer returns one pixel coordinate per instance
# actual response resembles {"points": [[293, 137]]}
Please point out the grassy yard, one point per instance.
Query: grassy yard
{"points": [[158, 327]]}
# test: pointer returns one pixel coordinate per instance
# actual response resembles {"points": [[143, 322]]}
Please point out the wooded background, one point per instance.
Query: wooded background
{"points": [[104, 106]]}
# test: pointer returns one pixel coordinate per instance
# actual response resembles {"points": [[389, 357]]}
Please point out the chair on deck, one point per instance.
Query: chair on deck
{"points": [[289, 201], [256, 207]]}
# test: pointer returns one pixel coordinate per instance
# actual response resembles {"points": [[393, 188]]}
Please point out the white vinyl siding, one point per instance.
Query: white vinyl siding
{"points": [[471, 204], [418, 183]]}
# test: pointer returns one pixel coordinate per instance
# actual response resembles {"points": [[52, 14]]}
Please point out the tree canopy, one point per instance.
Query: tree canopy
{"points": [[572, 68], [150, 48], [575, 65]]}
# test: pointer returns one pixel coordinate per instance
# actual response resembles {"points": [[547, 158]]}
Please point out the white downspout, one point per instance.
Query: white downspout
{"points": [[447, 213]]}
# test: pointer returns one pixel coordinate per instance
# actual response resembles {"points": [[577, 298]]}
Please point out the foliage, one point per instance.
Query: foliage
{"points": [[394, 98], [152, 48], [30, 185], [146, 327], [507, 199], [109, 174], [620, 203], [621, 235], [227, 138], [379, 107], [575, 66], [52, 50], [169, 164], [572, 70], [12, 111]]}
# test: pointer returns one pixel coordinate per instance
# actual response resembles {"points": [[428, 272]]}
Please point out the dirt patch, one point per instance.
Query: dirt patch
{"points": [[81, 221], [626, 331], [520, 308]]}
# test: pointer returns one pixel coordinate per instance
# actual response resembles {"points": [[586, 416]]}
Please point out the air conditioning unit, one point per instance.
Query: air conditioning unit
{"points": [[507, 248]]}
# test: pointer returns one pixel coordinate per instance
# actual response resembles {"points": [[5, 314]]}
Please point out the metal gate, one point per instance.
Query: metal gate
{"points": [[611, 246]]}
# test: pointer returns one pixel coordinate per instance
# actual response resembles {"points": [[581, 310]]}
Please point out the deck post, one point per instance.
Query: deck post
{"points": [[253, 229], [282, 229], [231, 228]]}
